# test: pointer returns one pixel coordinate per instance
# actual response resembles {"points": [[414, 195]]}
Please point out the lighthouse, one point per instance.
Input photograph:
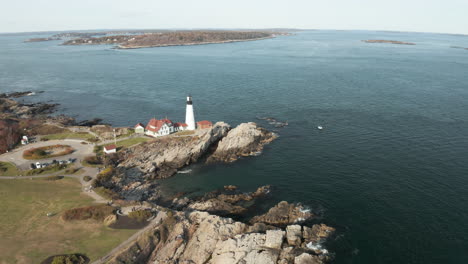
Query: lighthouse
{"points": [[189, 116]]}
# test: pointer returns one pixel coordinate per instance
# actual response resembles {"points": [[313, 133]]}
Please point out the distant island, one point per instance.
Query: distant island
{"points": [[458, 47], [162, 39], [42, 39], [388, 42]]}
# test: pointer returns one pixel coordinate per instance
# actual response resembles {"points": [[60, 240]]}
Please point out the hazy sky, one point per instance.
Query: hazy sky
{"points": [[447, 16]]}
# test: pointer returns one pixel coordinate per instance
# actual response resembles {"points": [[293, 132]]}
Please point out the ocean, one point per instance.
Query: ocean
{"points": [[389, 169]]}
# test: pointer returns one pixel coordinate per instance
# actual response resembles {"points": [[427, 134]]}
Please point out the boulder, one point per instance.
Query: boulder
{"points": [[274, 238], [317, 233], [305, 258], [294, 235], [247, 139], [284, 213]]}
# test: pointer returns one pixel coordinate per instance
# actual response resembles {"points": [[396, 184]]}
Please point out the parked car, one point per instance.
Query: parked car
{"points": [[54, 161], [61, 162], [38, 165], [33, 166]]}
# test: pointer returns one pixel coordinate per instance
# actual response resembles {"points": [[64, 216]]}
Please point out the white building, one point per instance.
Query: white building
{"points": [[189, 115], [180, 126], [139, 128], [157, 128], [110, 149]]}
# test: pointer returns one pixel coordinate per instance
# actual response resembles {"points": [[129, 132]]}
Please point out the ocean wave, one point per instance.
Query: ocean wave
{"points": [[184, 171], [317, 247]]}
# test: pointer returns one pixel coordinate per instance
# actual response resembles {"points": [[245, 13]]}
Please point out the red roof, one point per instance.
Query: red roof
{"points": [[154, 125], [139, 125], [178, 124], [110, 147], [204, 123]]}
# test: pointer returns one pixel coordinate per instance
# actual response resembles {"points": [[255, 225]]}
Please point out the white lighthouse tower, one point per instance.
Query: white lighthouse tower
{"points": [[189, 116]]}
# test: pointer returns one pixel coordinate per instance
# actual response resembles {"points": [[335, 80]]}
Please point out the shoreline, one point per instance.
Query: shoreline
{"points": [[133, 176], [191, 44]]}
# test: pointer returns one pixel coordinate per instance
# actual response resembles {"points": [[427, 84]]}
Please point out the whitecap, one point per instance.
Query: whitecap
{"points": [[185, 171], [317, 247]]}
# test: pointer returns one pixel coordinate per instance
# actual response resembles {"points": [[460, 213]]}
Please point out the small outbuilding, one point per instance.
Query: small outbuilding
{"points": [[180, 126], [110, 149], [139, 128], [204, 124]]}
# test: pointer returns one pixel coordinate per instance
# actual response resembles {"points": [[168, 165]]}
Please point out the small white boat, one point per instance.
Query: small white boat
{"points": [[320, 127]]}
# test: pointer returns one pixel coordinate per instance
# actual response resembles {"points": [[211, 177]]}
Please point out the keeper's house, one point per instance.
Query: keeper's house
{"points": [[157, 128]]}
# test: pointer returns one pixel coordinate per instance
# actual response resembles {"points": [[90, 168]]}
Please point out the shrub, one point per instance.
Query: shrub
{"points": [[98, 212], [103, 177], [87, 178], [69, 259], [106, 193], [92, 160], [54, 178], [140, 215]]}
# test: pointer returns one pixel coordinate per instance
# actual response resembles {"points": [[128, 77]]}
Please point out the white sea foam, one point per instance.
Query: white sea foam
{"points": [[185, 171], [317, 247], [304, 210]]}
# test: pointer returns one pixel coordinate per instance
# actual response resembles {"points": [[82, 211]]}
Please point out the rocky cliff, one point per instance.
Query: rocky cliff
{"points": [[198, 238], [165, 155], [247, 139]]}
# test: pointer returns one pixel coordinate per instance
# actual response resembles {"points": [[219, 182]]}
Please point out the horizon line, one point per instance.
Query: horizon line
{"points": [[230, 28]]}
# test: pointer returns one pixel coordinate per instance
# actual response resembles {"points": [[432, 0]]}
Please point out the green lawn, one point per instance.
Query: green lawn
{"points": [[131, 141], [27, 235], [69, 135], [8, 169]]}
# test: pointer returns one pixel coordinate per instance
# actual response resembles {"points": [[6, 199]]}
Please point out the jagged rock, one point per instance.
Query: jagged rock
{"points": [[247, 139], [230, 187], [201, 238], [294, 235], [274, 238], [283, 214], [317, 233], [217, 206], [258, 228], [226, 204], [305, 258], [162, 157]]}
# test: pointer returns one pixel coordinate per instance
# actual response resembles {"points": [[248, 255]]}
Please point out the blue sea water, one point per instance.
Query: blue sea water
{"points": [[389, 170]]}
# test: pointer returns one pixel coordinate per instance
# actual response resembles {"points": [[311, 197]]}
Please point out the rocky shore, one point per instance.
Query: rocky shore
{"points": [[223, 226], [199, 237]]}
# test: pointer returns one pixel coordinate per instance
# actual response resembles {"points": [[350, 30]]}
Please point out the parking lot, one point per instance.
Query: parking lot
{"points": [[16, 156]]}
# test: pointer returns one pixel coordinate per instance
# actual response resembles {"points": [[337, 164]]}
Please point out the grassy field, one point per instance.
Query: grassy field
{"points": [[27, 235], [69, 135], [8, 169], [131, 141]]}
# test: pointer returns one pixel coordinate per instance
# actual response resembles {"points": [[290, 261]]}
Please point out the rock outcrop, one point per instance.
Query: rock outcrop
{"points": [[200, 238], [284, 213], [162, 157], [225, 203], [247, 139]]}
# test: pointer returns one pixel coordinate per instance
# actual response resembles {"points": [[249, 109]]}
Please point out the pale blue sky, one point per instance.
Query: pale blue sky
{"points": [[445, 16]]}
